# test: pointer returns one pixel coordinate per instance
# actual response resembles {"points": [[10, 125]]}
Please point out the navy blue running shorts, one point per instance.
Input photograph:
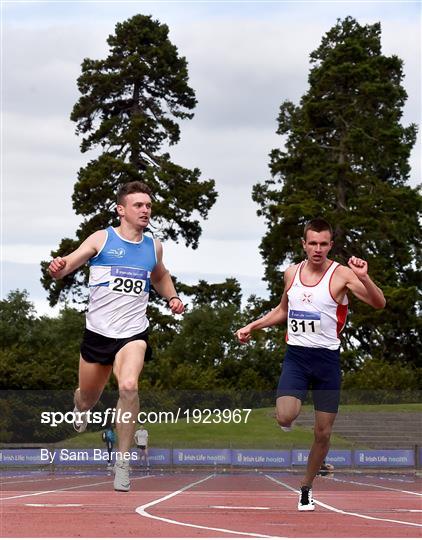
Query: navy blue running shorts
{"points": [[99, 349], [315, 368]]}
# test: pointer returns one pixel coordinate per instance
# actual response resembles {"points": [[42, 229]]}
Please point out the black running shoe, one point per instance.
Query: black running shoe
{"points": [[306, 502]]}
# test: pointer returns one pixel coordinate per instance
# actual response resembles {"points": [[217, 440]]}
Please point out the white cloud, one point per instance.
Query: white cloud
{"points": [[25, 253], [224, 257]]}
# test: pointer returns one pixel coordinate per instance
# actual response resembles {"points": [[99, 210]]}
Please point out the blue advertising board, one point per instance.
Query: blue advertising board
{"points": [[22, 456], [211, 457], [384, 458], [201, 456], [338, 458], [99, 456], [159, 456], [261, 458], [77, 456]]}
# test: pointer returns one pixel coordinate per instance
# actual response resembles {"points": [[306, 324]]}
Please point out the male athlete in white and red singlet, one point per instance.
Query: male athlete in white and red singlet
{"points": [[314, 305]]}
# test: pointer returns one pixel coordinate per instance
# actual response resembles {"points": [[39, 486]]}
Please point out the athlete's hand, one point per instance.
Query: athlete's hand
{"points": [[358, 266], [56, 266], [244, 334], [176, 306]]}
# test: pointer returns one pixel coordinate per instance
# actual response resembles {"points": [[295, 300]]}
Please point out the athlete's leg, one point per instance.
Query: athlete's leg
{"points": [[326, 384], [287, 410], [109, 450], [292, 387], [322, 432], [92, 379], [127, 368]]}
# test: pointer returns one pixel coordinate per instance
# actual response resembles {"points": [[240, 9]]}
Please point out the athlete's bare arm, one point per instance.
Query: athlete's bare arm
{"points": [[357, 280], [276, 316], [162, 282], [62, 266]]}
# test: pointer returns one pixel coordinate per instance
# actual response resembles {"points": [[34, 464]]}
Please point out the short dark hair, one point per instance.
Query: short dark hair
{"points": [[317, 225], [132, 187]]}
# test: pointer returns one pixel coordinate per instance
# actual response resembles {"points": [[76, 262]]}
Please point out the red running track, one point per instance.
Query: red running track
{"points": [[208, 505]]}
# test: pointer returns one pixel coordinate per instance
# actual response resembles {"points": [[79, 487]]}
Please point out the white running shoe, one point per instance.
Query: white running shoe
{"points": [[287, 428], [306, 501], [121, 476], [80, 425]]}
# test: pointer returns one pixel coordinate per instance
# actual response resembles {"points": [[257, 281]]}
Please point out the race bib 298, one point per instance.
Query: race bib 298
{"points": [[129, 281]]}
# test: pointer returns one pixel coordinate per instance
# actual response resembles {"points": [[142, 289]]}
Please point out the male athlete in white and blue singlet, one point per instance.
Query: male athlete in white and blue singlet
{"points": [[314, 304], [123, 264]]}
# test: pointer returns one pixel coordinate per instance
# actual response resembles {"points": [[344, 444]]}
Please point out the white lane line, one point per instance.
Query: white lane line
{"points": [[333, 509], [241, 507], [141, 510], [375, 485], [64, 489]]}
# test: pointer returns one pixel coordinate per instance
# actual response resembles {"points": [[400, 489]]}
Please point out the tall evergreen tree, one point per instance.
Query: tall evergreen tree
{"points": [[347, 159], [129, 106]]}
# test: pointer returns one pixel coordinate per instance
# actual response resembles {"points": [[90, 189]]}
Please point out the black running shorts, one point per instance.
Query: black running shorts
{"points": [[100, 349]]}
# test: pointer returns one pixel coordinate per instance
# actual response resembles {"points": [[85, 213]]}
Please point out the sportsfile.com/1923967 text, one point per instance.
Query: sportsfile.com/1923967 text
{"points": [[113, 415]]}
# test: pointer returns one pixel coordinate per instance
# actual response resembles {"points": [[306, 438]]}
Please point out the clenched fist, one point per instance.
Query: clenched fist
{"points": [[56, 266], [244, 334], [358, 266]]}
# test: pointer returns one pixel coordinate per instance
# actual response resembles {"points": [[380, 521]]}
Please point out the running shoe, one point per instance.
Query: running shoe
{"points": [[121, 476], [287, 428], [80, 426], [306, 502]]}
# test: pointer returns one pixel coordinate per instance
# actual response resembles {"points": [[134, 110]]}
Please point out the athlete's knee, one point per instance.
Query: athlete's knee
{"points": [[284, 419], [322, 434], [85, 400], [128, 386]]}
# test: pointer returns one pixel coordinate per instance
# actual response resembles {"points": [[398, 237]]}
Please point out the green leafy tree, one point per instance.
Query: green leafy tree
{"points": [[227, 293], [379, 380], [129, 108], [17, 318], [38, 358], [38, 353], [346, 158]]}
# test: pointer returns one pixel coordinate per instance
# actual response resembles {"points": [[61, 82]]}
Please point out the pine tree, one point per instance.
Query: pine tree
{"points": [[346, 158], [129, 106]]}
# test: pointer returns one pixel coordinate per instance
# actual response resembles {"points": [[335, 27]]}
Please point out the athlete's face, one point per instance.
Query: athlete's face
{"points": [[317, 246], [136, 209]]}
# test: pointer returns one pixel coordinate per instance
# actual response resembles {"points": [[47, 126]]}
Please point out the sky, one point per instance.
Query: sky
{"points": [[244, 60]]}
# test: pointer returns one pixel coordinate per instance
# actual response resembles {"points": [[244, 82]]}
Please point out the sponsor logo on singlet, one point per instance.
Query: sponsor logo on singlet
{"points": [[119, 253], [307, 298]]}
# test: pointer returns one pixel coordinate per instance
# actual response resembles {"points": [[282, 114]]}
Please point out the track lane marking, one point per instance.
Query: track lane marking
{"points": [[375, 485], [64, 489], [141, 510], [345, 512]]}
